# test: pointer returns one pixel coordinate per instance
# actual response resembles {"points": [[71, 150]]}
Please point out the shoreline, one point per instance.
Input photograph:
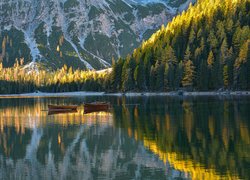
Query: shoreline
{"points": [[128, 94], [48, 95], [184, 94]]}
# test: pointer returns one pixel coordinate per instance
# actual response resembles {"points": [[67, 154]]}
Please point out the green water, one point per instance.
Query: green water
{"points": [[139, 138]]}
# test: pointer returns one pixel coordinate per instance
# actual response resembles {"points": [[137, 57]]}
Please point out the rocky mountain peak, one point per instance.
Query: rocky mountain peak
{"points": [[79, 33]]}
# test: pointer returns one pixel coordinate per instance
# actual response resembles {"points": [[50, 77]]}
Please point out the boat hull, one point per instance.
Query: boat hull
{"points": [[62, 108], [95, 107]]}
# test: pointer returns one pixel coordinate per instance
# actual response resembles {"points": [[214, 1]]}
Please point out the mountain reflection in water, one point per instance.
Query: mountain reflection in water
{"points": [[152, 138]]}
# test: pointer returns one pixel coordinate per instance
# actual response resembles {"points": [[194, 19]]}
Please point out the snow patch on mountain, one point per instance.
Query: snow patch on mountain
{"points": [[31, 42], [121, 25]]}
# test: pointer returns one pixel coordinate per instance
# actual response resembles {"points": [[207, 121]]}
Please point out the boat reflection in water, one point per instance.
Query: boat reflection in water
{"points": [[159, 138], [88, 111]]}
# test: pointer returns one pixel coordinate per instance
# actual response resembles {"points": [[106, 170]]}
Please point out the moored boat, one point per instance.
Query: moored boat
{"points": [[62, 107], [96, 106]]}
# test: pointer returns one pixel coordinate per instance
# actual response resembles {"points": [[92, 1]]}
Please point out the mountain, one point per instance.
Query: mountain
{"points": [[79, 33], [205, 48]]}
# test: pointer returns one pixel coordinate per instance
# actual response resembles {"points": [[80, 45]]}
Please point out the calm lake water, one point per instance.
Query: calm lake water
{"points": [[140, 138]]}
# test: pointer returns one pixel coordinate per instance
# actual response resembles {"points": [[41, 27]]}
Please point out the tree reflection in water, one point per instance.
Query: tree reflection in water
{"points": [[198, 138]]}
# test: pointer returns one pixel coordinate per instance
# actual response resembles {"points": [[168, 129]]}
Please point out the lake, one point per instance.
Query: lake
{"points": [[139, 138]]}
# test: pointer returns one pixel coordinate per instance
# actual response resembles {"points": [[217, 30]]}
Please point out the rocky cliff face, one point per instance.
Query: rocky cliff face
{"points": [[79, 33]]}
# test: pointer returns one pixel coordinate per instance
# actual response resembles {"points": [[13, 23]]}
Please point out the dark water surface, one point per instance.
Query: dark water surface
{"points": [[140, 138]]}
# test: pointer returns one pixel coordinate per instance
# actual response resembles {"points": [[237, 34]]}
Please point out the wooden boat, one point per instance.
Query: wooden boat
{"points": [[96, 106], [61, 111], [62, 107]]}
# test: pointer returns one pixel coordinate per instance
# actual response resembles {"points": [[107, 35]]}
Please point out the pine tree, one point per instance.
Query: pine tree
{"points": [[166, 78], [170, 55], [211, 76], [202, 79], [224, 52], [230, 64], [147, 65], [191, 38], [189, 74], [220, 31], [159, 69], [187, 54], [179, 75], [225, 76], [127, 81], [152, 80], [171, 77], [212, 40], [139, 76], [210, 60], [116, 74], [240, 67], [132, 66], [124, 76], [236, 40], [164, 56]]}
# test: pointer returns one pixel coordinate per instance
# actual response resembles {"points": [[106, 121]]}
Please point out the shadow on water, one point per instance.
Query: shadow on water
{"points": [[141, 137]]}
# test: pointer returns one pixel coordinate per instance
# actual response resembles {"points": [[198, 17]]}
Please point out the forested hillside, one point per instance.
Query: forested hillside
{"points": [[205, 48]]}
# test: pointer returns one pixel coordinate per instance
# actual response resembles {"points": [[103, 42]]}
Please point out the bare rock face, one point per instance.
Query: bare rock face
{"points": [[79, 33]]}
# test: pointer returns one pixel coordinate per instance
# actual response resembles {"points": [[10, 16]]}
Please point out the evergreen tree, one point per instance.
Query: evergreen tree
{"points": [[189, 74], [212, 40], [127, 81], [113, 75], [225, 76], [187, 54], [220, 31], [202, 81], [179, 75], [230, 64], [125, 75], [166, 78], [152, 80], [170, 56], [159, 69], [211, 70], [241, 67], [224, 52], [191, 38], [139, 76], [147, 65]]}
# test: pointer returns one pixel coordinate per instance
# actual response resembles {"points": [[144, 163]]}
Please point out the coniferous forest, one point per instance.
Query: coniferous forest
{"points": [[21, 80], [205, 48]]}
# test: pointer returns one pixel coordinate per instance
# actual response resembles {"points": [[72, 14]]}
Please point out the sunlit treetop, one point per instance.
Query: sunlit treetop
{"points": [[194, 13]]}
